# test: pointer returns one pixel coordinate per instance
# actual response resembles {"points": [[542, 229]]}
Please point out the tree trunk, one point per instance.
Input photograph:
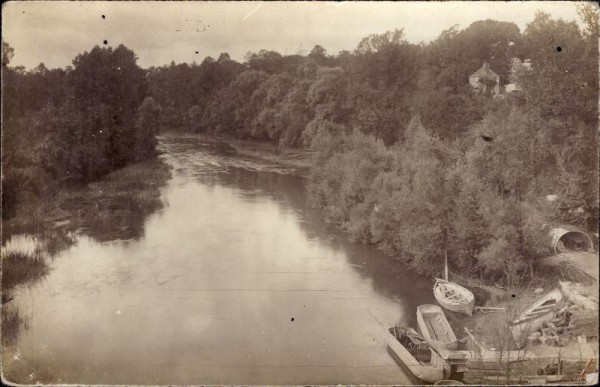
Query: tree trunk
{"points": [[530, 261]]}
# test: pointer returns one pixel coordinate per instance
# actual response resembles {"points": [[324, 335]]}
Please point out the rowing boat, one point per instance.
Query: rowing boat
{"points": [[453, 297], [435, 327], [408, 348], [535, 315]]}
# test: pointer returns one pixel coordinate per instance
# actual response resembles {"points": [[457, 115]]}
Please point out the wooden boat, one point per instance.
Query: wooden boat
{"points": [[409, 349], [453, 297], [435, 327], [535, 315]]}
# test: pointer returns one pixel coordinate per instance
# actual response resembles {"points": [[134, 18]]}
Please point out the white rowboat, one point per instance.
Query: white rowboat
{"points": [[409, 349], [435, 327], [453, 297]]}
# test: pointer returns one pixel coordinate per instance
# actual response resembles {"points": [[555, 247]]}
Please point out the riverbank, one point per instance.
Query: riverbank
{"points": [[110, 208], [554, 357]]}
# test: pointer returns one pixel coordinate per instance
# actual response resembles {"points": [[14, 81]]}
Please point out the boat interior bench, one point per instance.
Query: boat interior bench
{"points": [[437, 330]]}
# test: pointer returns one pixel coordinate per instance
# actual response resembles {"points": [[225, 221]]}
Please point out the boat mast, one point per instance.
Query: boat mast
{"points": [[446, 264]]}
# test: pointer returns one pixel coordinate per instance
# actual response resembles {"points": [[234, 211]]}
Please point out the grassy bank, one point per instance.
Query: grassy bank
{"points": [[19, 267], [114, 207]]}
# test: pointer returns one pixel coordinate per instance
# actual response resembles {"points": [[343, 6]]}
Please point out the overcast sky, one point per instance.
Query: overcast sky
{"points": [[159, 32]]}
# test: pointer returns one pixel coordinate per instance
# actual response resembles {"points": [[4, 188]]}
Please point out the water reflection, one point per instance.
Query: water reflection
{"points": [[388, 277], [235, 281]]}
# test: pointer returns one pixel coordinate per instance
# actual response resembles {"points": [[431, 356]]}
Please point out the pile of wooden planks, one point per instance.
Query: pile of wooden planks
{"points": [[570, 321]]}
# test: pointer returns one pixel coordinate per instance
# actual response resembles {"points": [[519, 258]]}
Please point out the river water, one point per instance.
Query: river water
{"points": [[234, 281]]}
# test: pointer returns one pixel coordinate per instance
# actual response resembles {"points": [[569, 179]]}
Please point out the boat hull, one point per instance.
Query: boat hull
{"points": [[535, 315], [465, 307], [429, 373], [435, 327]]}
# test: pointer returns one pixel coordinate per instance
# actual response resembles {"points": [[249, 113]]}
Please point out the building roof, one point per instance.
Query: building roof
{"points": [[484, 71]]}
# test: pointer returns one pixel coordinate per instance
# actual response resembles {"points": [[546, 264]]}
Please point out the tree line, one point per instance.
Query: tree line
{"points": [[475, 178], [409, 155], [67, 127]]}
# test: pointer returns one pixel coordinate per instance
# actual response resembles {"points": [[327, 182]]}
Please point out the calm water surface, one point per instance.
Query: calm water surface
{"points": [[235, 281]]}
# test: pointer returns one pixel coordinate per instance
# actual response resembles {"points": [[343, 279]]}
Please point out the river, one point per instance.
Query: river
{"points": [[235, 281]]}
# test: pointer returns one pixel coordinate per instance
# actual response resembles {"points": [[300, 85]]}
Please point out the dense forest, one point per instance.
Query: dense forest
{"points": [[63, 128], [409, 154]]}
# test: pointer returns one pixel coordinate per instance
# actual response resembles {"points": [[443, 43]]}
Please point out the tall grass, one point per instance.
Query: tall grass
{"points": [[19, 268], [113, 207], [11, 323], [116, 206]]}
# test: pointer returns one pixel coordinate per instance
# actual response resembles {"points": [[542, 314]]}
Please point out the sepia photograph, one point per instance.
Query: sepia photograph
{"points": [[300, 193]]}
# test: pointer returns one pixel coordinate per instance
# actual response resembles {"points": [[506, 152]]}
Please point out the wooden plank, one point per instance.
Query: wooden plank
{"points": [[541, 308], [432, 331], [440, 331], [528, 379], [530, 317], [504, 356], [460, 295]]}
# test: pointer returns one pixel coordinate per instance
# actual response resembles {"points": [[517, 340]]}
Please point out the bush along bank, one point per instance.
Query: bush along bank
{"points": [[113, 207], [422, 199]]}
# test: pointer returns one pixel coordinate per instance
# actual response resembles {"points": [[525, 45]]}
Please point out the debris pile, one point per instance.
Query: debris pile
{"points": [[557, 331], [569, 323]]}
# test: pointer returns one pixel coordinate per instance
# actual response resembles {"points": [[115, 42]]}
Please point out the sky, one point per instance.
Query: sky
{"points": [[54, 32]]}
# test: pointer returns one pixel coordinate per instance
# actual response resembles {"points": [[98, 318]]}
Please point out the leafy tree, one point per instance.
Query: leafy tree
{"points": [[267, 61], [230, 112], [469, 234], [295, 114], [195, 118], [326, 94], [109, 85], [559, 86], [148, 125], [378, 42], [7, 54], [319, 55], [267, 99], [555, 82], [349, 163], [425, 202]]}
